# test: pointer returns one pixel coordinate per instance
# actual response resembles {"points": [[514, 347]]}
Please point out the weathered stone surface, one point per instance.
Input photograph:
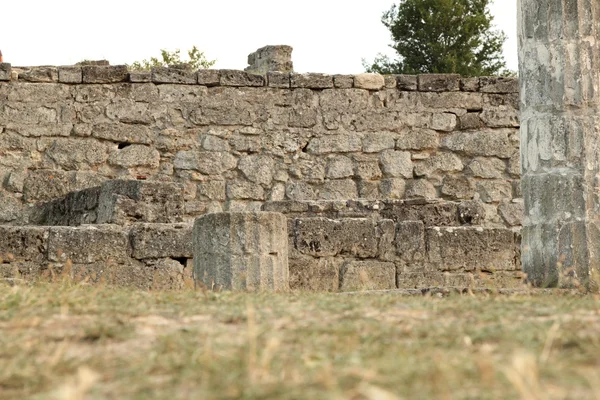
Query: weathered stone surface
{"points": [[334, 144], [471, 121], [410, 241], [407, 82], [376, 142], [257, 168], [343, 81], [417, 139], [311, 81], [358, 237], [493, 191], [458, 187], [393, 188], [441, 162], [469, 249], [420, 188], [498, 84], [369, 81], [161, 241], [339, 167], [123, 133], [470, 84], [44, 185], [174, 75], [339, 189], [278, 79], [241, 251], [229, 77], [140, 76], [368, 275], [271, 58], [480, 143], [88, 244], [5, 71], [439, 82], [73, 154], [209, 77], [512, 212], [209, 162], [244, 190], [367, 168], [135, 155], [24, 243], [70, 74], [489, 168], [76, 208], [396, 164], [104, 74], [39, 74], [315, 274]]}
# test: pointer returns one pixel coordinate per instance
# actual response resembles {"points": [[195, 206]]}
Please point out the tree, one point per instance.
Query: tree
{"points": [[197, 60], [442, 36]]}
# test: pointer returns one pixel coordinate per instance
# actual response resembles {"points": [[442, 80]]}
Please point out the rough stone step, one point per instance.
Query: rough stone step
{"points": [[119, 202]]}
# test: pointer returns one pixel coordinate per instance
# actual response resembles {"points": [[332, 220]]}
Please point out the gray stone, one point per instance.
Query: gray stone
{"points": [[208, 77], [471, 120], [470, 84], [212, 190], [5, 72], [271, 58], [393, 188], [140, 76], [70, 74], [161, 241], [441, 162], [229, 77], [135, 155], [241, 251], [257, 168], [24, 243], [104, 74], [214, 143], [311, 81], [315, 274], [410, 241], [244, 190], [338, 190], [458, 187], [39, 74], [367, 169], [407, 82], [417, 139], [174, 75], [343, 81], [339, 167], [206, 162], [420, 188], [512, 212], [334, 144], [396, 164], [480, 143], [493, 191], [278, 79], [498, 84], [73, 154], [88, 244], [369, 81], [489, 168], [439, 82]]}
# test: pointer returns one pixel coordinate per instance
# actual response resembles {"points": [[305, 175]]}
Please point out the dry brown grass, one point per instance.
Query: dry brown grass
{"points": [[76, 341]]}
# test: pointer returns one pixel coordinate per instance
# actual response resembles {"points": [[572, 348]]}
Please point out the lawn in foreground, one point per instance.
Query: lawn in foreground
{"points": [[76, 341]]}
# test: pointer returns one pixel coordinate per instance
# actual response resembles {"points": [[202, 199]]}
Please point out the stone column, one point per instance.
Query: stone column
{"points": [[559, 68], [241, 251]]}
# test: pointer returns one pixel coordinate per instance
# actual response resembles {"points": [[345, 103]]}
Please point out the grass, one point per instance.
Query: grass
{"points": [[68, 341]]}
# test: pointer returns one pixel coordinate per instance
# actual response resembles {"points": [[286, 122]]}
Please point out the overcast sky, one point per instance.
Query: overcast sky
{"points": [[330, 36]]}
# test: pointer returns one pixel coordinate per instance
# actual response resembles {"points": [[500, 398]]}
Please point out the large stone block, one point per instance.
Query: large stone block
{"points": [[311, 81], [439, 82], [104, 73], [24, 243], [229, 77], [368, 275], [161, 241], [174, 75], [89, 244], [241, 251], [473, 248], [39, 74], [320, 274]]}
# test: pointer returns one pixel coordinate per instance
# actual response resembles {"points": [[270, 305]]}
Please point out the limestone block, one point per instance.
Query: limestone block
{"points": [[420, 188], [277, 79], [127, 201], [5, 71], [471, 212], [368, 275], [514, 165], [70, 74], [311, 81], [206, 162], [393, 188], [369, 81], [24, 243], [498, 84], [487, 167], [417, 139], [396, 163], [315, 274], [512, 212], [244, 190], [376, 142], [104, 73], [123, 133], [470, 84], [169, 274], [367, 169], [407, 83], [343, 81], [88, 244], [174, 75], [410, 241], [431, 212], [357, 237], [257, 168], [214, 143], [339, 167], [472, 248], [135, 155], [446, 122], [271, 58], [455, 102], [241, 251], [471, 120], [439, 82], [140, 76], [390, 81], [39, 74], [300, 191], [440, 162], [334, 144], [480, 143], [501, 118], [212, 190], [74, 154], [458, 187], [209, 77], [338, 190], [44, 185], [368, 190], [161, 241], [229, 77], [76, 208], [493, 191]]}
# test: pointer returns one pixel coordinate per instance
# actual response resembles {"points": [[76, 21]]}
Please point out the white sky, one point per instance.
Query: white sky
{"points": [[330, 36]]}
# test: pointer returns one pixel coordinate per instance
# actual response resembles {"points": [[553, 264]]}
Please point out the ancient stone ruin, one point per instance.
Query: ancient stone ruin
{"points": [[385, 181]]}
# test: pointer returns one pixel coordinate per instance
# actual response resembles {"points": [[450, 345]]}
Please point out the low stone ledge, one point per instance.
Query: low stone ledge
{"points": [[161, 241], [39, 74], [88, 244]]}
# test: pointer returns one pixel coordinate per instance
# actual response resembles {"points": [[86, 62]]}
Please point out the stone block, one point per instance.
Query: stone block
{"points": [[439, 82], [174, 75], [408, 83], [440, 162], [104, 73], [343, 81], [480, 143], [257, 168], [161, 241], [241, 251], [458, 187], [209, 77], [512, 212], [470, 121], [472, 212], [45, 185], [278, 79], [357, 237], [88, 244], [230, 77], [498, 84], [140, 76], [420, 189], [23, 243], [311, 81], [487, 167], [494, 191], [338, 190], [410, 241], [334, 144], [339, 167], [244, 190], [135, 155], [431, 212], [271, 58], [470, 84], [70, 74], [315, 274], [367, 169], [473, 248], [5, 72], [368, 275], [39, 74], [123, 133], [393, 188], [417, 139], [390, 81], [128, 201], [76, 208], [369, 81], [376, 142]]}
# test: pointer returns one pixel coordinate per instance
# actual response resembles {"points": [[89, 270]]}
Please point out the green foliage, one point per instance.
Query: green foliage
{"points": [[442, 36], [197, 60]]}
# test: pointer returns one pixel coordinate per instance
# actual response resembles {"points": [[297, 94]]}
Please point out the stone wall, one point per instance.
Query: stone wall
{"points": [[235, 140]]}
